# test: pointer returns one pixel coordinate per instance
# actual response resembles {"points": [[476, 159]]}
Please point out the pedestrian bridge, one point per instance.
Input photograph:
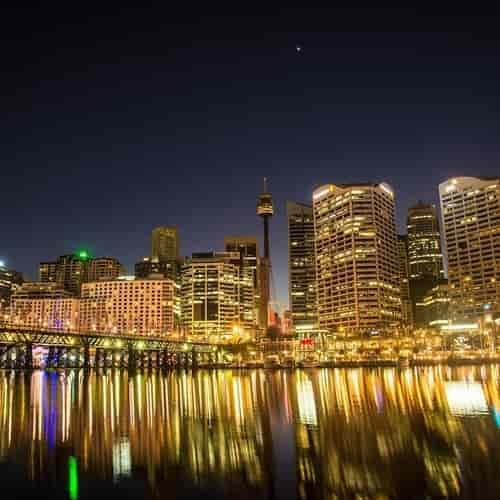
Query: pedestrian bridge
{"points": [[71, 349]]}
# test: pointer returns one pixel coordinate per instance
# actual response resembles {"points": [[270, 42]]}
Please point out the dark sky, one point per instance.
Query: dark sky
{"points": [[115, 121]]}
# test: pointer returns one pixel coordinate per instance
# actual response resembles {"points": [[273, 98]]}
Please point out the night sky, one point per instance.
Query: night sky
{"points": [[115, 121]]}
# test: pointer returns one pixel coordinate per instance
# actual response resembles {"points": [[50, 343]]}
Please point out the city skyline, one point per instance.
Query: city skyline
{"points": [[281, 280]]}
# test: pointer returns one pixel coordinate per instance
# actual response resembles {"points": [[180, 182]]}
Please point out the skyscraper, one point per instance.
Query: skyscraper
{"points": [[404, 283], [265, 211], [301, 267], [470, 210], [424, 243], [165, 244], [357, 266], [424, 255]]}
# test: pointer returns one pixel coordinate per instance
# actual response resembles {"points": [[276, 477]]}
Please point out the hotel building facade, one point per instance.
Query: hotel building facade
{"points": [[357, 265], [138, 306], [45, 305]]}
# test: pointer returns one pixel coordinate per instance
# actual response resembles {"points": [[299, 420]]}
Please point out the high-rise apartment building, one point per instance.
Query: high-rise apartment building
{"points": [[470, 210], [248, 250], [404, 281], [357, 265], [301, 266], [142, 307], [45, 305], [165, 244], [104, 268], [211, 295]]}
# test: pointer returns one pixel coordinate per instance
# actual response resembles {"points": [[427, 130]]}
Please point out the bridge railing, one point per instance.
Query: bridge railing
{"points": [[168, 337]]}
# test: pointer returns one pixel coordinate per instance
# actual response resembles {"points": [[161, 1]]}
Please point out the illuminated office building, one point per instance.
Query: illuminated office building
{"points": [[404, 283], [165, 244], [47, 272], [153, 266], [138, 306], [301, 268], [44, 305], [424, 255], [357, 265], [470, 210], [104, 268], [434, 306], [248, 249], [210, 295]]}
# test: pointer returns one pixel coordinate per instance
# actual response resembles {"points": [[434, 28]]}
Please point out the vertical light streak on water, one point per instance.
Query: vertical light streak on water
{"points": [[117, 385], [284, 452], [238, 402], [104, 398], [40, 404], [10, 409], [111, 394], [62, 390], [139, 382], [90, 400], [131, 402]]}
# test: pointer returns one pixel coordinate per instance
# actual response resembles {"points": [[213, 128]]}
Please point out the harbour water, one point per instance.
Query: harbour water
{"points": [[429, 432]]}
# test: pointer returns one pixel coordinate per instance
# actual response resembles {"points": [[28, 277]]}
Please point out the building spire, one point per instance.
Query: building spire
{"points": [[265, 185]]}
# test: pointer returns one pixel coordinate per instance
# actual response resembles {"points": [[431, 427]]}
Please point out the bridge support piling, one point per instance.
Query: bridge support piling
{"points": [[132, 361], [86, 357], [28, 357]]}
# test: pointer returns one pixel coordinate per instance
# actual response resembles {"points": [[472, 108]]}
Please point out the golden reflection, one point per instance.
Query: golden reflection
{"points": [[367, 433]]}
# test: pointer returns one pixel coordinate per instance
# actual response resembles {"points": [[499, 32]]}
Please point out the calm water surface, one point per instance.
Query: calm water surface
{"points": [[325, 433]]}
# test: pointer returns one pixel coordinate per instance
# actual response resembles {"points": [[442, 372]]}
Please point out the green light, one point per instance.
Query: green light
{"points": [[72, 478], [82, 254]]}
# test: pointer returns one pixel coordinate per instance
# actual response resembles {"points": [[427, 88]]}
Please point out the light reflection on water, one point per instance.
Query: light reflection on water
{"points": [[367, 433]]}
